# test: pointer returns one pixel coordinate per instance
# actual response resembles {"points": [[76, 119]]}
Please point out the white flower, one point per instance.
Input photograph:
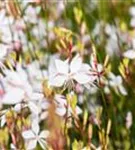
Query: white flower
{"points": [[129, 54], [132, 22], [31, 14], [33, 136], [17, 89], [65, 72], [34, 103], [16, 86], [13, 147], [129, 119], [3, 51], [116, 83], [40, 30], [132, 11], [36, 75], [62, 106]]}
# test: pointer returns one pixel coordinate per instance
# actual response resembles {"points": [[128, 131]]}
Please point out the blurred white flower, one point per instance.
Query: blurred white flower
{"points": [[3, 51], [129, 120], [64, 72], [116, 83], [132, 22], [34, 136], [17, 88], [13, 147], [132, 11], [129, 54], [112, 46], [36, 75], [60, 7], [62, 106], [31, 14]]}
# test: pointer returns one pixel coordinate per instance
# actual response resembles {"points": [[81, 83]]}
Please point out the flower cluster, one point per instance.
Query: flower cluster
{"points": [[66, 83]]}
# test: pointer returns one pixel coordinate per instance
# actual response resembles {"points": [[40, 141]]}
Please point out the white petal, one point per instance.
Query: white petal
{"points": [[33, 107], [76, 64], [78, 110], [58, 96], [132, 11], [111, 76], [45, 104], [57, 80], [52, 67], [106, 90], [28, 134], [99, 148], [12, 146], [18, 107], [61, 111], [85, 67], [28, 89], [122, 90], [15, 95], [60, 100], [83, 78], [32, 144], [44, 115], [61, 66], [129, 54], [133, 43], [112, 83], [44, 134], [118, 80], [132, 22], [3, 50], [37, 96], [42, 144], [13, 78], [35, 127]]}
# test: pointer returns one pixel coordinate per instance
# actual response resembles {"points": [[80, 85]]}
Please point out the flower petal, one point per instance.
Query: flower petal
{"points": [[129, 54], [83, 78], [57, 80], [28, 134], [36, 96], [78, 110], [75, 64], [61, 111], [42, 143], [44, 134], [85, 67], [32, 144], [122, 90], [35, 127], [13, 96], [118, 80], [61, 66], [33, 107], [3, 50]]}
